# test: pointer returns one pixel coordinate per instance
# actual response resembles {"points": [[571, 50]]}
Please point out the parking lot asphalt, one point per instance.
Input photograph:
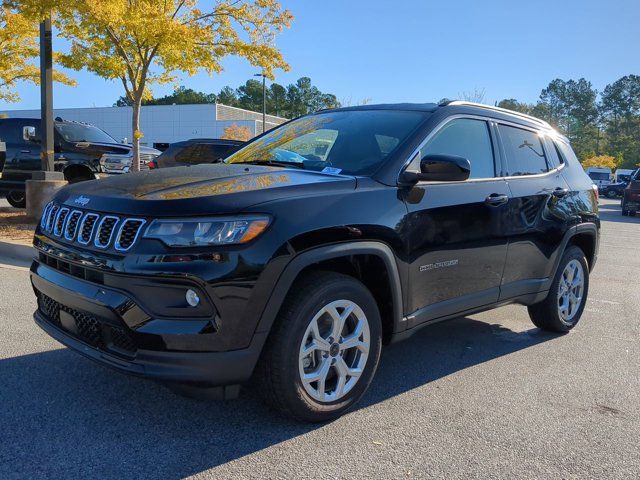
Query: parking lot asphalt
{"points": [[486, 396]]}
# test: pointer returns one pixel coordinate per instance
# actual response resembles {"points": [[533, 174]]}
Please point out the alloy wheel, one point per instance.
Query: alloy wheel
{"points": [[570, 291], [334, 351]]}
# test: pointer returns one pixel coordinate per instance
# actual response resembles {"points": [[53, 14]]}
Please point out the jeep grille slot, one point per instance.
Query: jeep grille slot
{"points": [[45, 215], [60, 221], [53, 212], [105, 231], [128, 234], [86, 228], [72, 225]]}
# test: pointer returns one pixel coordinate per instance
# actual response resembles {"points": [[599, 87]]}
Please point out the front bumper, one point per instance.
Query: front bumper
{"points": [[89, 319]]}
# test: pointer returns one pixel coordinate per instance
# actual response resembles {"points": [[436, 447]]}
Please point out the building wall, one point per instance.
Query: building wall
{"points": [[162, 123]]}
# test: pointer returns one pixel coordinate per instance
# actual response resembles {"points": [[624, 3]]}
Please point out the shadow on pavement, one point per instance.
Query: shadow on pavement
{"points": [[63, 416], [16, 254]]}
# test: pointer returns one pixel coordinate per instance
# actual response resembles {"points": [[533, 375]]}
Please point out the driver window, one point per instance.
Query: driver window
{"points": [[467, 138]]}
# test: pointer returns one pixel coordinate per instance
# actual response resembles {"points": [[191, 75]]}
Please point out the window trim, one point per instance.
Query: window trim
{"points": [[494, 144]]}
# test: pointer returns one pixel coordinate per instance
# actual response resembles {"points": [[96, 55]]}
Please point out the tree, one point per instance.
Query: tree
{"points": [[250, 95], [620, 110], [601, 161], [515, 105], [571, 107], [237, 132], [18, 46], [141, 43], [180, 96], [227, 96]]}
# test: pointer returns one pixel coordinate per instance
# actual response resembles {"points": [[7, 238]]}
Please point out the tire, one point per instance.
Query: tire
{"points": [[549, 314], [17, 199], [80, 178], [632, 213], [625, 213], [611, 194], [282, 364]]}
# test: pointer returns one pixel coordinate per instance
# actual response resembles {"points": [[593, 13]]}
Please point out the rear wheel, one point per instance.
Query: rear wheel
{"points": [[563, 307], [324, 349], [611, 194], [17, 199]]}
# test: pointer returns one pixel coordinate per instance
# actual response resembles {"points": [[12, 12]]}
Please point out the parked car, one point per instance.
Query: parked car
{"points": [[600, 176], [631, 197], [622, 175], [295, 269], [82, 151], [612, 190], [196, 151]]}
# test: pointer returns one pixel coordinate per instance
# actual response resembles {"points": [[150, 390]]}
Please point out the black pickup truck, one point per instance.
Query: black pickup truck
{"points": [[82, 151]]}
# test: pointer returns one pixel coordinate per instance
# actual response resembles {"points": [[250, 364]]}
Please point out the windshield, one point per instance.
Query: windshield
{"points": [[78, 132], [599, 176], [351, 142]]}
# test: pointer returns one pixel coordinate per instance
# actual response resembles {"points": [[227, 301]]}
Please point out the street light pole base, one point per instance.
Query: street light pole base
{"points": [[40, 190]]}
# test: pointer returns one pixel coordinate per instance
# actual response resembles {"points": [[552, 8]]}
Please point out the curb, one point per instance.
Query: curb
{"points": [[16, 255]]}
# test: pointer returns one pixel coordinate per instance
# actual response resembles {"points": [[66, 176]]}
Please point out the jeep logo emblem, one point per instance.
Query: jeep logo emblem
{"points": [[82, 200]]}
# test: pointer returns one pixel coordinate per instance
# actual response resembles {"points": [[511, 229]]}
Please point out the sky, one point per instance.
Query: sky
{"points": [[386, 51]]}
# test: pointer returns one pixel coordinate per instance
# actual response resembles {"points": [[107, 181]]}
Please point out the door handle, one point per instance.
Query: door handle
{"points": [[496, 199], [560, 192], [25, 151]]}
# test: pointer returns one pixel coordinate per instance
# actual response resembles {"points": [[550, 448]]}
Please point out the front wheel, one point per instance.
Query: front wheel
{"points": [[611, 194], [17, 199], [563, 307], [324, 348]]}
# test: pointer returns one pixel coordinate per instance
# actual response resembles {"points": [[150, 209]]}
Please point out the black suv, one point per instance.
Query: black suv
{"points": [[82, 151], [299, 256], [196, 151]]}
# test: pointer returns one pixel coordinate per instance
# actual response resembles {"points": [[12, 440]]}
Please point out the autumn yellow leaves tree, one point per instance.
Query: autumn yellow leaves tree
{"points": [[18, 52], [142, 43]]}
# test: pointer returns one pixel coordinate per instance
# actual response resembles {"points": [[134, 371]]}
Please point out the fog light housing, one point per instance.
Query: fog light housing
{"points": [[192, 298]]}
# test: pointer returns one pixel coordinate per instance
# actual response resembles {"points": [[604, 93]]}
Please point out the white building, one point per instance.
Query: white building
{"points": [[162, 124]]}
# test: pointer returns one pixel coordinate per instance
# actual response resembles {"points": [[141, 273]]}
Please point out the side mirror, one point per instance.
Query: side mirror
{"points": [[29, 134], [441, 168]]}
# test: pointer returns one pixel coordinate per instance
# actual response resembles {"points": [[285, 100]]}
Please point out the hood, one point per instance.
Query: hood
{"points": [[198, 190], [115, 148]]}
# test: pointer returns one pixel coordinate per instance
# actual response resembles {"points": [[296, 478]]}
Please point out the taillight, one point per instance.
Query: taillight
{"points": [[152, 165], [595, 190]]}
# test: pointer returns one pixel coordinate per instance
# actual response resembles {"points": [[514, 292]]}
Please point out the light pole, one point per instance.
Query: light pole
{"points": [[44, 183], [264, 100]]}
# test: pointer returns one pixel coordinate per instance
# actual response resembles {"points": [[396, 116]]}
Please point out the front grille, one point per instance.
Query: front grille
{"points": [[60, 219], [88, 328], [105, 231], [91, 228], [128, 233], [72, 225], [86, 227]]}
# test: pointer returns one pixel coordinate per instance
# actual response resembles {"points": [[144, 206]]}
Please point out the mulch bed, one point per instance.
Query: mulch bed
{"points": [[15, 226]]}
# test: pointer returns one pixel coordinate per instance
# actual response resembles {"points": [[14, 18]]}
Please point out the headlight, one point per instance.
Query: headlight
{"points": [[207, 231]]}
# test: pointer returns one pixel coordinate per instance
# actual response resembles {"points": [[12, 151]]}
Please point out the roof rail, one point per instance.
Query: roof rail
{"points": [[498, 109]]}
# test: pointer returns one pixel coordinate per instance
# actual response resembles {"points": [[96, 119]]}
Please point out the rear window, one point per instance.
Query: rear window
{"points": [[524, 151]]}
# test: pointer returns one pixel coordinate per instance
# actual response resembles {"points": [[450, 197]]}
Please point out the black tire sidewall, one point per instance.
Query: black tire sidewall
{"points": [[15, 203], [343, 289]]}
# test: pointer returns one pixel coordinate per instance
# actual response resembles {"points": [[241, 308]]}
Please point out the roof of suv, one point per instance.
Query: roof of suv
{"points": [[433, 107]]}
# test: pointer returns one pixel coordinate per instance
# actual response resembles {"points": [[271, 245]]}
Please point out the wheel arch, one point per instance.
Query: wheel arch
{"points": [[75, 170], [344, 258]]}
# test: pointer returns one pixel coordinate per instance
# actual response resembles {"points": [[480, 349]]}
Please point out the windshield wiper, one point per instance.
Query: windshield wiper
{"points": [[275, 163]]}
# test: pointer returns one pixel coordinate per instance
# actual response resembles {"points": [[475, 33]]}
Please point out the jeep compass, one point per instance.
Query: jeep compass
{"points": [[292, 262]]}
